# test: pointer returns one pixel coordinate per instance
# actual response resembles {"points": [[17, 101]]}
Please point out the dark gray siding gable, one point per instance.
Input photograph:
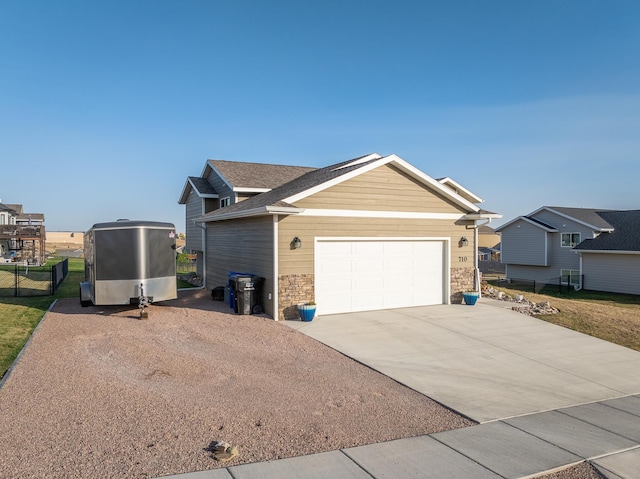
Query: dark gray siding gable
{"points": [[243, 246], [194, 209], [220, 186], [525, 244]]}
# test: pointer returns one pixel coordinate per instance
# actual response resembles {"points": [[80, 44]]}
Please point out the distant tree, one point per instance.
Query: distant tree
{"points": [[182, 258]]}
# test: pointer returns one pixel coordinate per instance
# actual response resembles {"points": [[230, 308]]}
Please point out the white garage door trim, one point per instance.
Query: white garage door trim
{"points": [[388, 272]]}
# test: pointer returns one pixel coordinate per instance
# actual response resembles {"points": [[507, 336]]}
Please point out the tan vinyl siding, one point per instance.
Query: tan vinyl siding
{"points": [[244, 246], [523, 243], [301, 261], [385, 188], [616, 273], [193, 231]]}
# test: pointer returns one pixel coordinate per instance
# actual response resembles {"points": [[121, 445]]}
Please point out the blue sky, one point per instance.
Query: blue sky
{"points": [[107, 106]]}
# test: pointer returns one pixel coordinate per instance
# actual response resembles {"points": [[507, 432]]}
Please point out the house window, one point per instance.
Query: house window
{"points": [[225, 202], [2, 219], [570, 276], [569, 240]]}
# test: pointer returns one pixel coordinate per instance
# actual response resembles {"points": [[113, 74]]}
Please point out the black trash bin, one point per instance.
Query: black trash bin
{"points": [[247, 291]]}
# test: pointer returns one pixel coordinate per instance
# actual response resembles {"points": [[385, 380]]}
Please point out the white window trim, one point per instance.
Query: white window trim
{"points": [[570, 245], [571, 276], [226, 201]]}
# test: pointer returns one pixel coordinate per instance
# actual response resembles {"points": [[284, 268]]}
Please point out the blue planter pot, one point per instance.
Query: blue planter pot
{"points": [[470, 298], [307, 311]]}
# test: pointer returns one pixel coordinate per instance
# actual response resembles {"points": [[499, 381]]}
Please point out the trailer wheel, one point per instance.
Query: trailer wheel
{"points": [[84, 302]]}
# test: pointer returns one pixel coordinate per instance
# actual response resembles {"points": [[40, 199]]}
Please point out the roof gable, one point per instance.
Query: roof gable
{"points": [[201, 186], [589, 217], [318, 180], [527, 219], [370, 162], [384, 188]]}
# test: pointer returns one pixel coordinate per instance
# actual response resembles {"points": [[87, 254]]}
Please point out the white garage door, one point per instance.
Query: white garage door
{"points": [[365, 275]]}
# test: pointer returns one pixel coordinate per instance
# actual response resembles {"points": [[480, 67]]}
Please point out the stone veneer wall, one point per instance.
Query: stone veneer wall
{"points": [[461, 280], [293, 289]]}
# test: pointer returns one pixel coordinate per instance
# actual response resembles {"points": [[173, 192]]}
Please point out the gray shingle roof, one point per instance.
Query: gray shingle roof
{"points": [[16, 208], [202, 186], [591, 216], [257, 175], [275, 197], [4, 207], [624, 237]]}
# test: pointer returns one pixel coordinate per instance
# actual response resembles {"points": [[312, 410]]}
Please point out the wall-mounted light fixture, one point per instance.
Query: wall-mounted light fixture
{"points": [[463, 242], [296, 243]]}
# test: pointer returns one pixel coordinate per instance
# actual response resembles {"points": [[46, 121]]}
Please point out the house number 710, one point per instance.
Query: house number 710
{"points": [[462, 259]]}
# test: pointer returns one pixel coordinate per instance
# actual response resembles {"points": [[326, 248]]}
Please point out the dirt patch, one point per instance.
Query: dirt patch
{"points": [[100, 393]]}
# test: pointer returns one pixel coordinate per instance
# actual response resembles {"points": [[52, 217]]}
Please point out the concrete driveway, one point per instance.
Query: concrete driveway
{"points": [[484, 361]]}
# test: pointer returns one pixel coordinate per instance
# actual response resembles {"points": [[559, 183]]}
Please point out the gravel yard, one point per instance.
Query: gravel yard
{"points": [[100, 393]]}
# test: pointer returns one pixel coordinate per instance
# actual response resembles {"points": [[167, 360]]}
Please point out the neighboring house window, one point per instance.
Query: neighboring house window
{"points": [[225, 202], [569, 240], [2, 220], [570, 276]]}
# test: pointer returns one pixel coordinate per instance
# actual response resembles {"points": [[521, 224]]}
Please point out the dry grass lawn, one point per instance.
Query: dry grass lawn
{"points": [[614, 318]]}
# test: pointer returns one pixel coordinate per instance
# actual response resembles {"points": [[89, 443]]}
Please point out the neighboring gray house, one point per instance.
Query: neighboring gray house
{"points": [[611, 262], [539, 246], [592, 248]]}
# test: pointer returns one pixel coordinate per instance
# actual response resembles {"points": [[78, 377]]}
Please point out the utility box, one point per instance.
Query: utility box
{"points": [[129, 262]]}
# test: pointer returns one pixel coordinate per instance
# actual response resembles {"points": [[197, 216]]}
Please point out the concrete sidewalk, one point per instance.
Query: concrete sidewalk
{"points": [[546, 397]]}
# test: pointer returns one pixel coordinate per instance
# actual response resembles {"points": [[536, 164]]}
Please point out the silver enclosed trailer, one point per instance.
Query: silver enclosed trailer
{"points": [[129, 262]]}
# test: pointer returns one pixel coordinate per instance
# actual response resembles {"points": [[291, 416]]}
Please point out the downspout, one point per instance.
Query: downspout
{"points": [[476, 266], [276, 281]]}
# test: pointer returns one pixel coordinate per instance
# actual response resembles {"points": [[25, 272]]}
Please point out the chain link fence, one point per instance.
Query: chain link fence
{"points": [[20, 280]]}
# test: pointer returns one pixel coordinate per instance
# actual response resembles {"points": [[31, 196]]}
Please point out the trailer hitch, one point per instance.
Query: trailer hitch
{"points": [[142, 303]]}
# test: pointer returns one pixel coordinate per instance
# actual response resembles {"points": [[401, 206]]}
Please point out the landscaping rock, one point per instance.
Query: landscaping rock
{"points": [[523, 306]]}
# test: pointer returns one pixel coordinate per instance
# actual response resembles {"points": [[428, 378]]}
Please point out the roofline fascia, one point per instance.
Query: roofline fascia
{"points": [[482, 216], [584, 223], [261, 211], [446, 179], [605, 251], [242, 189], [183, 196], [524, 218]]}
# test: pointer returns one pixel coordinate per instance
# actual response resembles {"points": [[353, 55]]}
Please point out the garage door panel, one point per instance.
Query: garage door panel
{"points": [[368, 248], [371, 274], [367, 265], [334, 266]]}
